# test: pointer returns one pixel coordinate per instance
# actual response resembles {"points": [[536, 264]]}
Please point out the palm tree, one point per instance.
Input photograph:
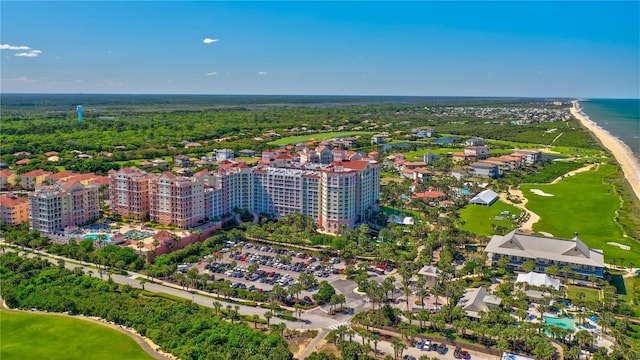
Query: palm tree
{"points": [[583, 338], [217, 305], [268, 316], [255, 317], [398, 347], [298, 309], [375, 338]]}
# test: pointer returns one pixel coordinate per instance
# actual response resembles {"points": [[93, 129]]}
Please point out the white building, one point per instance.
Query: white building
{"points": [[545, 252], [224, 154]]}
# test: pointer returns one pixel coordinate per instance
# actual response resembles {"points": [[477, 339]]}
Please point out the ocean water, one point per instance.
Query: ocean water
{"points": [[620, 117]]}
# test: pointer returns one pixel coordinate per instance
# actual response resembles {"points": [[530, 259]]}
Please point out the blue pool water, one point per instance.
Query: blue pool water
{"points": [[563, 322], [95, 236]]}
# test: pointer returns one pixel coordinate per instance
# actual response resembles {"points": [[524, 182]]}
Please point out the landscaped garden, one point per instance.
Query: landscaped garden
{"points": [[38, 336], [484, 220]]}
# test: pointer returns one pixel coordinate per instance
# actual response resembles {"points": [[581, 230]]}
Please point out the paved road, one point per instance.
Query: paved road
{"points": [[316, 319]]}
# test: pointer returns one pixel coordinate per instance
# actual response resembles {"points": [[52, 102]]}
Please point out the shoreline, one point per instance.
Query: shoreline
{"points": [[623, 155]]}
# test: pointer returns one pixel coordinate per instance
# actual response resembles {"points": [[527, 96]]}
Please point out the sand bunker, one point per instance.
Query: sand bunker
{"points": [[623, 247], [546, 234], [540, 192]]}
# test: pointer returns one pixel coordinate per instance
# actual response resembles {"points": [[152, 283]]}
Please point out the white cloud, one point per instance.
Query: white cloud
{"points": [[21, 79], [210, 41], [31, 53], [212, 73], [263, 73], [12, 47]]}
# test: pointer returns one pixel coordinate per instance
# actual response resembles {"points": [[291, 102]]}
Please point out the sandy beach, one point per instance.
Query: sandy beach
{"points": [[628, 162]]}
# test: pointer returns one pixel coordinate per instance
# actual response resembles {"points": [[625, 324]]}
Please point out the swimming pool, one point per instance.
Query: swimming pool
{"points": [[563, 322], [95, 236]]}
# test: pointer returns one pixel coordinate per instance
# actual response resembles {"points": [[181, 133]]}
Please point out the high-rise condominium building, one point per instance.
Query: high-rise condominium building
{"points": [[54, 207]]}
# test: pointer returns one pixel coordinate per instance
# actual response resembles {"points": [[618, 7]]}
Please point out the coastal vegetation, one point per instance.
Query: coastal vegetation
{"points": [[39, 336], [182, 328]]}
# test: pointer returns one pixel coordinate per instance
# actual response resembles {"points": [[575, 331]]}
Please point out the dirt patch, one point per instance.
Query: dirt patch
{"points": [[327, 347], [298, 343]]}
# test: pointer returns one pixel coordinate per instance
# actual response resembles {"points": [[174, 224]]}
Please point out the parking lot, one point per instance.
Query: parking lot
{"points": [[273, 267]]}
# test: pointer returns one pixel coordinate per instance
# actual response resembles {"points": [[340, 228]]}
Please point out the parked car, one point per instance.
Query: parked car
{"points": [[457, 351], [442, 349], [464, 354], [420, 343]]}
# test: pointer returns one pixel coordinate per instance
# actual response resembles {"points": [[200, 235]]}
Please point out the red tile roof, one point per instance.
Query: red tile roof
{"points": [[355, 164], [37, 172], [429, 195], [12, 200]]}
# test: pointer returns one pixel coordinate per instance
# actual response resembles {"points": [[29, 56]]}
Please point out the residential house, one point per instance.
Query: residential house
{"points": [[8, 178], [484, 169], [33, 178], [474, 142], [247, 153], [478, 152], [377, 139], [224, 154], [182, 160]]}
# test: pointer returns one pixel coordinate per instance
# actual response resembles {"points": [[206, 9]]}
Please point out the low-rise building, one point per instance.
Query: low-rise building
{"points": [[478, 300], [530, 156], [545, 252], [14, 209], [8, 178], [377, 139], [484, 169], [224, 154], [479, 152], [34, 178]]}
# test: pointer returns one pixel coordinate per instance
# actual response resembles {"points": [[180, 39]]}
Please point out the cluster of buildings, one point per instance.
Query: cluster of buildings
{"points": [[55, 201], [322, 183], [495, 167], [515, 115]]}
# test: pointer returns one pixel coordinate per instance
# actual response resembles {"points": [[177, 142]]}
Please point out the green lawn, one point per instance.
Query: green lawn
{"points": [[35, 336], [582, 203], [589, 294], [479, 219], [319, 136]]}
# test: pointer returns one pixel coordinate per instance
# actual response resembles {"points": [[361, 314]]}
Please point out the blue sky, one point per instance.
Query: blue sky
{"points": [[571, 49]]}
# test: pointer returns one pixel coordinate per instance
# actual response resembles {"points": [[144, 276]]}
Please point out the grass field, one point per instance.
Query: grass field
{"points": [[479, 219], [36, 336], [582, 203], [318, 136], [589, 294]]}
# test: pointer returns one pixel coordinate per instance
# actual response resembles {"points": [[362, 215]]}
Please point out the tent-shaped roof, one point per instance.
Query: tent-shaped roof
{"points": [[486, 197], [538, 279]]}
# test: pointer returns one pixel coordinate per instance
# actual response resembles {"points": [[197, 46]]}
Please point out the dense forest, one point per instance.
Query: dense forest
{"points": [[146, 127], [182, 328]]}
